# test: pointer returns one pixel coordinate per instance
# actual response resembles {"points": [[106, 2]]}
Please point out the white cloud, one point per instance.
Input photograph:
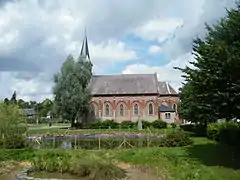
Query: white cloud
{"points": [[166, 72], [158, 29], [36, 36], [154, 49]]}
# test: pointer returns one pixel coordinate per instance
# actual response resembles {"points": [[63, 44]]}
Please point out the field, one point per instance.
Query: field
{"points": [[203, 160]]}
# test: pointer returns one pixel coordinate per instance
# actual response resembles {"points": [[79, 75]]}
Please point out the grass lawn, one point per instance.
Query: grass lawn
{"points": [[205, 160]]}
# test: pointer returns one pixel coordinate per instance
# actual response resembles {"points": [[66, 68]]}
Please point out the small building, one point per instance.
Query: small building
{"points": [[167, 114], [30, 112]]}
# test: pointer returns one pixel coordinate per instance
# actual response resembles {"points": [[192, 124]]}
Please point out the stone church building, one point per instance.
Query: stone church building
{"points": [[131, 96]]}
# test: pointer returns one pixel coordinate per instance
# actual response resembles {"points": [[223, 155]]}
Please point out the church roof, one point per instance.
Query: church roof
{"points": [[124, 84], [165, 88], [163, 108]]}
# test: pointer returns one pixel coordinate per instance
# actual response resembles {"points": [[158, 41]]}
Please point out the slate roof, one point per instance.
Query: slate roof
{"points": [[165, 88], [163, 108], [124, 84], [29, 111]]}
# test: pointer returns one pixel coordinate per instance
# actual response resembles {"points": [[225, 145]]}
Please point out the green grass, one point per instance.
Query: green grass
{"points": [[205, 160]]}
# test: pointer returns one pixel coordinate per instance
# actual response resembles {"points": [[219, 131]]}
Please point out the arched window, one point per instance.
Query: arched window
{"points": [[135, 109], [121, 111], [107, 111], [175, 107], [150, 109], [93, 110]]}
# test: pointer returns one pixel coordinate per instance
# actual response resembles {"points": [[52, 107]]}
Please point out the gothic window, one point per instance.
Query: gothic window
{"points": [[174, 107], [135, 109], [121, 112], [150, 109], [107, 110], [93, 110], [167, 116]]}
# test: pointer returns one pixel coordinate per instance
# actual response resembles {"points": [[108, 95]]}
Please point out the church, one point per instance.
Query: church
{"points": [[130, 97]]}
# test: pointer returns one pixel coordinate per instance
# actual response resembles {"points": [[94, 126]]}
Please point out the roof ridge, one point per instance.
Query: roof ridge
{"points": [[120, 74]]}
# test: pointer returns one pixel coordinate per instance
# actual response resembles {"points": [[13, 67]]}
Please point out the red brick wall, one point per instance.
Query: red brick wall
{"points": [[129, 102]]}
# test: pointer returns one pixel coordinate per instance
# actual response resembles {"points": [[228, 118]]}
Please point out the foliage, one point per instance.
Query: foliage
{"points": [[127, 125], [225, 132], [146, 124], [12, 126], [176, 139], [212, 88], [72, 95], [92, 166], [159, 124], [195, 129], [173, 125]]}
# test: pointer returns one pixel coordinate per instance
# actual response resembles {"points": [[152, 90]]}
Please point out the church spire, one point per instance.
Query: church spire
{"points": [[84, 50]]}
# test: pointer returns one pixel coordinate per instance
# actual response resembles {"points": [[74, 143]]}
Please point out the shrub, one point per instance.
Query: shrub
{"points": [[213, 131], [225, 132], [108, 124], [81, 165], [230, 135], [176, 139], [173, 125], [15, 141], [195, 129], [159, 124], [95, 125], [12, 126], [127, 124], [146, 124], [187, 127]]}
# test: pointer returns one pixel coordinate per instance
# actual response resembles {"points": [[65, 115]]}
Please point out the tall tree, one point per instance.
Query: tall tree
{"points": [[72, 96], [14, 98], [212, 90]]}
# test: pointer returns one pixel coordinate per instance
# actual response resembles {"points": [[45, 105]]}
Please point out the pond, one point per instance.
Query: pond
{"points": [[94, 141]]}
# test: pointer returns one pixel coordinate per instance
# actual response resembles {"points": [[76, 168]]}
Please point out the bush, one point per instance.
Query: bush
{"points": [[16, 141], [213, 131], [12, 126], [146, 124], [225, 132], [176, 139], [127, 124], [82, 165], [187, 127], [109, 124], [173, 125], [195, 129], [230, 135], [159, 124]]}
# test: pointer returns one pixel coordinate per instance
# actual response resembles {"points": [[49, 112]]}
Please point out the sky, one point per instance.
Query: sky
{"points": [[136, 36]]}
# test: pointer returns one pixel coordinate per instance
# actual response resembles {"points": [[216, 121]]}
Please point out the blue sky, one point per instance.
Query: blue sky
{"points": [[136, 36]]}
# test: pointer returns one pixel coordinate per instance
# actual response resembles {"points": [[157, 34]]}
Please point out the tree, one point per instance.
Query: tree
{"points": [[72, 96], [212, 88], [14, 98]]}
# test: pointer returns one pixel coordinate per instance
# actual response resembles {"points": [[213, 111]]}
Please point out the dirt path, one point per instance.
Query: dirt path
{"points": [[140, 173]]}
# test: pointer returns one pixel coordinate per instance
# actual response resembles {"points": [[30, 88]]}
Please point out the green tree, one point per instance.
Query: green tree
{"points": [[14, 98], [212, 88], [72, 96]]}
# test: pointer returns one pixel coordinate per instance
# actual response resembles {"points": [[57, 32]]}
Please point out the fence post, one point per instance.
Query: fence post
{"points": [[99, 142]]}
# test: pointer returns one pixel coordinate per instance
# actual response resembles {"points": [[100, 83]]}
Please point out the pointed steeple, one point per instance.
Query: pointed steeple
{"points": [[84, 50]]}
